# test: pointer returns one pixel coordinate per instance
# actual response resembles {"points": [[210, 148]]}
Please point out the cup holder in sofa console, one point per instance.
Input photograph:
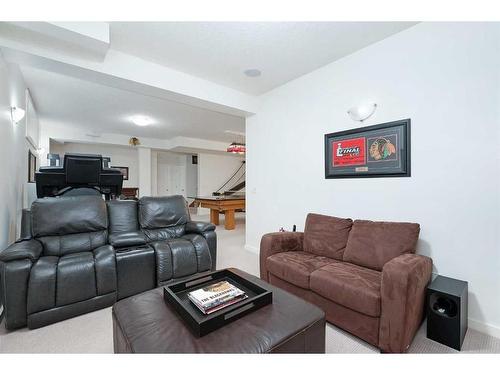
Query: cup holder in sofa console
{"points": [[443, 305]]}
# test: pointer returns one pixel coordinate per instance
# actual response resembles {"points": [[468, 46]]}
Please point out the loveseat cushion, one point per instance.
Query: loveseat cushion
{"points": [[295, 266], [326, 235], [354, 287], [372, 244]]}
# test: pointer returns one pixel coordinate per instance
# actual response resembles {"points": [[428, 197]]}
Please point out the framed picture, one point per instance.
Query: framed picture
{"points": [[373, 151], [124, 171], [31, 166]]}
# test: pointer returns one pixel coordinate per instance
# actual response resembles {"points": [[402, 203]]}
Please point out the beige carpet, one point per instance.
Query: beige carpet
{"points": [[92, 333]]}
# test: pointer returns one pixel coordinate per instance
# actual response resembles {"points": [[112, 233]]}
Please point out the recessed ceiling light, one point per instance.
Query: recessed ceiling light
{"points": [[141, 120], [252, 73]]}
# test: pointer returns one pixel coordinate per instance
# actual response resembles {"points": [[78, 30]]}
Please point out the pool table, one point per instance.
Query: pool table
{"points": [[226, 204]]}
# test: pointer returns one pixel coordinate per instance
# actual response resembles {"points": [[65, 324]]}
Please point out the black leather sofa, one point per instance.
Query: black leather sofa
{"points": [[84, 254]]}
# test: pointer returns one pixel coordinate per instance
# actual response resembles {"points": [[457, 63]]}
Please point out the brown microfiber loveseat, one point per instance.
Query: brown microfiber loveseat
{"points": [[363, 274]]}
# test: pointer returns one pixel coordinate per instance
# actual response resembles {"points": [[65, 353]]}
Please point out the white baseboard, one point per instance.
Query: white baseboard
{"points": [[252, 249], [484, 328]]}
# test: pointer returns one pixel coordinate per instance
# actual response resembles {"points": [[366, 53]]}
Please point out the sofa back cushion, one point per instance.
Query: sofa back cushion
{"points": [[122, 216], [67, 225], [326, 235], [68, 215], [162, 218], [73, 243], [372, 244]]}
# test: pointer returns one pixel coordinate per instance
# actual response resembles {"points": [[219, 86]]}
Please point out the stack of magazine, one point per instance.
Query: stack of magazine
{"points": [[216, 296]]}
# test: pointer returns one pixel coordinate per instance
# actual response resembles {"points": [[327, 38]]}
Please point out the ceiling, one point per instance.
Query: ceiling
{"points": [[221, 51], [215, 51], [100, 108]]}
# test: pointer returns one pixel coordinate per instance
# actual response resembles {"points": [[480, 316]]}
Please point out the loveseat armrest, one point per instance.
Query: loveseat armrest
{"points": [[199, 227], [278, 242], [404, 281], [30, 249]]}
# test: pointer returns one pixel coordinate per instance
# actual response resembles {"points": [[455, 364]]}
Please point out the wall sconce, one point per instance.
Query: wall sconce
{"points": [[17, 114], [362, 112]]}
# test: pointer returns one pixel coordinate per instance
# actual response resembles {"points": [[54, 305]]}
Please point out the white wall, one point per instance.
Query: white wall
{"points": [[171, 173], [120, 156], [191, 177], [15, 192], [213, 171], [445, 77], [145, 175]]}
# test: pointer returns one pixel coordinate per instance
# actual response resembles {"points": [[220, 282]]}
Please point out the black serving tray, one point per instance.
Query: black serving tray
{"points": [[200, 324]]}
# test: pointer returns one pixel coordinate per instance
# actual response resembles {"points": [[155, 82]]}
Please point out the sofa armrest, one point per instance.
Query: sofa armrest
{"points": [[30, 249], [404, 281], [127, 239], [273, 243], [199, 227], [207, 230]]}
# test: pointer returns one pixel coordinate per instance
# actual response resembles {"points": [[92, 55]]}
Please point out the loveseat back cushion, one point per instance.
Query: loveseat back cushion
{"points": [[326, 235], [373, 243], [296, 267], [163, 212], [68, 215], [122, 216]]}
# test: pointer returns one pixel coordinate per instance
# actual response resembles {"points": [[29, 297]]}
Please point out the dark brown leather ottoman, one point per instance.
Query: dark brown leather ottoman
{"points": [[146, 324]]}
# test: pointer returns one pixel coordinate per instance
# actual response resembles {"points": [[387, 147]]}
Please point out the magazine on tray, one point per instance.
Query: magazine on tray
{"points": [[216, 296]]}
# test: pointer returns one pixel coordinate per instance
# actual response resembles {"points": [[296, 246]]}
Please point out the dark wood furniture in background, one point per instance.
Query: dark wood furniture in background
{"points": [[226, 204], [130, 192]]}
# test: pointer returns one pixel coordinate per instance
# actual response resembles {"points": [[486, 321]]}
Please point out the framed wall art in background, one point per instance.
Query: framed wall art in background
{"points": [[31, 166], [373, 151]]}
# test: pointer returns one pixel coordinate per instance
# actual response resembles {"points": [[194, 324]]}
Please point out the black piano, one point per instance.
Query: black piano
{"points": [[80, 174]]}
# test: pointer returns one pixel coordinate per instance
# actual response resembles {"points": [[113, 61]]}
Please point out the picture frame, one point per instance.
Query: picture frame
{"points": [[382, 150], [123, 170], [31, 166]]}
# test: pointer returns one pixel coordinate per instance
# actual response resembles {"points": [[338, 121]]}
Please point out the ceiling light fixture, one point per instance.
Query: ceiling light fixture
{"points": [[141, 120], [362, 112], [237, 148], [252, 73], [17, 114]]}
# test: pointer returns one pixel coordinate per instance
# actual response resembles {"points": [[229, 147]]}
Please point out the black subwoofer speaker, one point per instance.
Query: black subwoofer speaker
{"points": [[447, 311]]}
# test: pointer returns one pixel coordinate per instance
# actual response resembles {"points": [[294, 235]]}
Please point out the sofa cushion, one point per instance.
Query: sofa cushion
{"points": [[180, 257], [122, 216], [295, 266], [352, 286], [162, 212], [68, 215], [75, 278], [372, 244], [326, 235], [73, 243]]}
